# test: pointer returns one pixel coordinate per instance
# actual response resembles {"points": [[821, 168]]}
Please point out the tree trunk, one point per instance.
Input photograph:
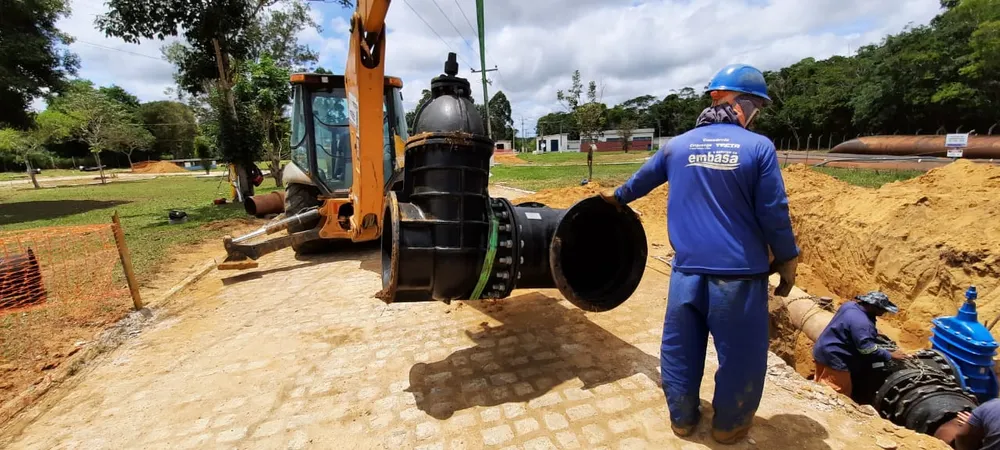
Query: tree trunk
{"points": [[129, 156], [97, 157], [275, 166], [31, 173]]}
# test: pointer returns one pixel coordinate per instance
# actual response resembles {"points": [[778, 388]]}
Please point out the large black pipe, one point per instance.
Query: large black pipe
{"points": [[921, 393], [445, 238]]}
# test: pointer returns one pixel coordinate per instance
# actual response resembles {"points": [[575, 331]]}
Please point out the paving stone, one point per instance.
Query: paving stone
{"points": [[555, 421], [497, 435], [525, 426], [581, 412]]}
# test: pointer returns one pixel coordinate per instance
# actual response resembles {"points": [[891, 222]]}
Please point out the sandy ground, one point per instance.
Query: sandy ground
{"points": [[298, 353]]}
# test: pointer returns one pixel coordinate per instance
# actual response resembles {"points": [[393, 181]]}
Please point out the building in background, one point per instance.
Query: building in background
{"points": [[503, 146], [553, 143]]}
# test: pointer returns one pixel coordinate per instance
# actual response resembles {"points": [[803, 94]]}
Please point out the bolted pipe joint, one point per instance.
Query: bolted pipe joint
{"points": [[446, 239]]}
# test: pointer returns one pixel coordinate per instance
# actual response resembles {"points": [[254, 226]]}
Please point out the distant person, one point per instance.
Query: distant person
{"points": [[590, 162], [727, 207], [979, 429], [849, 343]]}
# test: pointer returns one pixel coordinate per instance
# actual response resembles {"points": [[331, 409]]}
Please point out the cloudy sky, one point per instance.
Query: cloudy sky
{"points": [[630, 47]]}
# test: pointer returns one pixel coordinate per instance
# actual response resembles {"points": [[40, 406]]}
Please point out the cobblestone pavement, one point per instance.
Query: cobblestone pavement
{"points": [[299, 353]]}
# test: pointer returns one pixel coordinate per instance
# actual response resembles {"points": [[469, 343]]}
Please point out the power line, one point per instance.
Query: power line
{"points": [[435, 32], [123, 51], [467, 44], [476, 32], [466, 17]]}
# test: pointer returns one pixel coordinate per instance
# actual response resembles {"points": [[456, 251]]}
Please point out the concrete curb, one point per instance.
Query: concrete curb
{"points": [[71, 365]]}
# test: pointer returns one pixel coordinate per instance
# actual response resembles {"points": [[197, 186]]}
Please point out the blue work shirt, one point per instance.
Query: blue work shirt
{"points": [[849, 341], [986, 417], [727, 201]]}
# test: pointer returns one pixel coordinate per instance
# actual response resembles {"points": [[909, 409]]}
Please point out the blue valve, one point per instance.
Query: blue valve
{"points": [[971, 294]]}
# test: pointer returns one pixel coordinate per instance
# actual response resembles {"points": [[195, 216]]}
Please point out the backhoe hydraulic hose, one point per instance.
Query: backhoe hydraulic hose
{"points": [[444, 238], [283, 224]]}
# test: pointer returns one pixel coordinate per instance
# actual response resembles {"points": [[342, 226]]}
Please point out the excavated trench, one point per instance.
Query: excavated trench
{"points": [[922, 241]]}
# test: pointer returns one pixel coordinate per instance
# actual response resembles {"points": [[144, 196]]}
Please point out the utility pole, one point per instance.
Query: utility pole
{"points": [[482, 64], [522, 134]]}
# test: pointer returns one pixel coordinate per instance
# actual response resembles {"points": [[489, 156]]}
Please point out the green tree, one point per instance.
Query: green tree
{"points": [[204, 149], [34, 61], [50, 127], [128, 136], [501, 122], [411, 116], [264, 86], [96, 121], [120, 95], [220, 35], [173, 126]]}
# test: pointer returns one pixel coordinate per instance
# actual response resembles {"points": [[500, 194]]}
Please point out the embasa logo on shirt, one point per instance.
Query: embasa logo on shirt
{"points": [[712, 158]]}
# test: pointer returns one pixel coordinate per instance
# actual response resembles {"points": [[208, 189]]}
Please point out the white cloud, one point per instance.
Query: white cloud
{"points": [[647, 48], [136, 67], [631, 48]]}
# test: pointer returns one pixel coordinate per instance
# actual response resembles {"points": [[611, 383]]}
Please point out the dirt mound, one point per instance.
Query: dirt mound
{"points": [[157, 167], [507, 158], [923, 241]]}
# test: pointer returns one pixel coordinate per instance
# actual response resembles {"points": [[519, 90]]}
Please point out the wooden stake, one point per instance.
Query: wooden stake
{"points": [[133, 286]]}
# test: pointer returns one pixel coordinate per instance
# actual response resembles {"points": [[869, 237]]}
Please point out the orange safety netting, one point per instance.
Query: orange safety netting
{"points": [[77, 267]]}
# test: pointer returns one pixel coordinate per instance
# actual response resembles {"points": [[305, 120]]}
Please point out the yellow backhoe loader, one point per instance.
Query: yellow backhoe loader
{"points": [[348, 133]]}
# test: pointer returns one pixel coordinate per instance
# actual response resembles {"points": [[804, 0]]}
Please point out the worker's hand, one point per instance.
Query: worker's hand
{"points": [[609, 196], [786, 270], [963, 418], [900, 355]]}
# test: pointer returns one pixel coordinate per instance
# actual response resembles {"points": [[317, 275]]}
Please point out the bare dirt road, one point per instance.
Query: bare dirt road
{"points": [[299, 353]]}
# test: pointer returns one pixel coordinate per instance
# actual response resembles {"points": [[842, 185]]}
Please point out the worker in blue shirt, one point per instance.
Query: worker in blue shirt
{"points": [[978, 430], [726, 209], [849, 342]]}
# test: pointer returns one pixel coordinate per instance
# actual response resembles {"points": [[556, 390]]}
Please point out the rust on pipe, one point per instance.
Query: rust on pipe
{"points": [[803, 312], [980, 147], [261, 205]]}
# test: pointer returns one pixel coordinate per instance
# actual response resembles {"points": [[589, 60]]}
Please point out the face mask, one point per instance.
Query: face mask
{"points": [[750, 106]]}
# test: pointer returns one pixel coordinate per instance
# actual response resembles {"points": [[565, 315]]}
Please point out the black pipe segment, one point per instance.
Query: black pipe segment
{"points": [[445, 238], [921, 393]]}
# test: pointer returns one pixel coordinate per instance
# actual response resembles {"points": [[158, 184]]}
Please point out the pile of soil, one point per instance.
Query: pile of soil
{"points": [[922, 241], [507, 158], [157, 167]]}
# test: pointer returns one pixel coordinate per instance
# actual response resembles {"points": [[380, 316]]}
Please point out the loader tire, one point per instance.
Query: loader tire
{"points": [[299, 197]]}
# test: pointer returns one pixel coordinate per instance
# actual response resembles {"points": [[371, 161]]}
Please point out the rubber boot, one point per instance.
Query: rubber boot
{"points": [[680, 431], [730, 437]]}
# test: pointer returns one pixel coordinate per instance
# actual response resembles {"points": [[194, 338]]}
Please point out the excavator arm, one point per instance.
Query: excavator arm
{"points": [[364, 82]]}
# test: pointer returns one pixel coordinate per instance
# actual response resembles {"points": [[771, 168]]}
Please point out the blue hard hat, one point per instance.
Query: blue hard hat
{"points": [[740, 78]]}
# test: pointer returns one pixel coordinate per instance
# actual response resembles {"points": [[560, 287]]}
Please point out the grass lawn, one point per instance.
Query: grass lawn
{"points": [[142, 205], [47, 173], [581, 157], [869, 178], [535, 178]]}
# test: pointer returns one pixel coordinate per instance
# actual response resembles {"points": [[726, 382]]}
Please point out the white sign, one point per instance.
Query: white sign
{"points": [[352, 110], [954, 153], [956, 140]]}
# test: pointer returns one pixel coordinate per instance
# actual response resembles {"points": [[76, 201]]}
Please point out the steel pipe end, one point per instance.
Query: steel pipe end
{"points": [[598, 255]]}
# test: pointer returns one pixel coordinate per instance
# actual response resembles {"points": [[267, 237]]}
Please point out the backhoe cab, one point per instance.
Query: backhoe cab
{"points": [[320, 177]]}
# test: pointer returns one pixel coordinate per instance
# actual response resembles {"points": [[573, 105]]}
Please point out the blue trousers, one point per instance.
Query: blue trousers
{"points": [[734, 310]]}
